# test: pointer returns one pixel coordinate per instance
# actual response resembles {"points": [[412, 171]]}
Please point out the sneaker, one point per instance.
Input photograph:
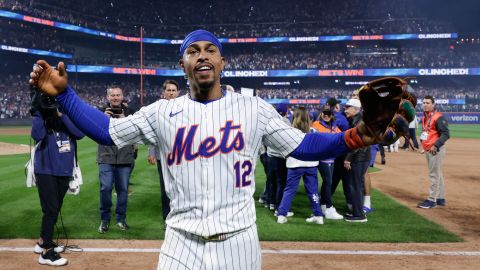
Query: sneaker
{"points": [[260, 200], [122, 225], [103, 228], [39, 249], [323, 207], [272, 206], [282, 219], [315, 219], [289, 214], [427, 204], [441, 202], [367, 210], [354, 219], [331, 213], [52, 258]]}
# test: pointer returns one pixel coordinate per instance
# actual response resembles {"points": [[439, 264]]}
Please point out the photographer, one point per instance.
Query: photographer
{"points": [[114, 167], [54, 162]]}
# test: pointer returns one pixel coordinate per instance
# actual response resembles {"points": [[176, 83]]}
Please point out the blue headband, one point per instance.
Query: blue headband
{"points": [[200, 35]]}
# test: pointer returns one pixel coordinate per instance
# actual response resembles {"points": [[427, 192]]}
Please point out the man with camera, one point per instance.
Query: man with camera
{"points": [[114, 167]]}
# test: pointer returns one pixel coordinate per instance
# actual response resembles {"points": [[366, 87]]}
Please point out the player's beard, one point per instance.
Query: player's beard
{"points": [[206, 86]]}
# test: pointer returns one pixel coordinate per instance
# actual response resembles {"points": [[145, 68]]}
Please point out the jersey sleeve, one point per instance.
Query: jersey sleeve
{"points": [[139, 127], [278, 134]]}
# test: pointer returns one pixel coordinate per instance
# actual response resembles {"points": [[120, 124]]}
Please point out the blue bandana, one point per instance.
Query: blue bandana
{"points": [[200, 35]]}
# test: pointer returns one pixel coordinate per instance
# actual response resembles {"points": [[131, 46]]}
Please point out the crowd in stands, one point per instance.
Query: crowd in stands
{"points": [[426, 58], [238, 19], [28, 35], [14, 93], [418, 55]]}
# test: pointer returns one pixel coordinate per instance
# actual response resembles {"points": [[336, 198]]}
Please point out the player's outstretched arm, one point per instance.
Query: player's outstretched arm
{"points": [[47, 79], [318, 146], [53, 82]]}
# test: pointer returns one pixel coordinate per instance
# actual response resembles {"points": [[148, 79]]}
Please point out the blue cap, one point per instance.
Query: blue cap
{"points": [[200, 35], [282, 109]]}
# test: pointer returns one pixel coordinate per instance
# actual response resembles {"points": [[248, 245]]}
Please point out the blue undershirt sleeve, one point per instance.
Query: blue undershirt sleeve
{"points": [[318, 146], [89, 120]]}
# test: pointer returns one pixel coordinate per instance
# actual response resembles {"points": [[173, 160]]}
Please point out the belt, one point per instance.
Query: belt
{"points": [[221, 236]]}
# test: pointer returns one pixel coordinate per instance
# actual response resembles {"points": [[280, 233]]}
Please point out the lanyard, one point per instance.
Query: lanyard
{"points": [[429, 121]]}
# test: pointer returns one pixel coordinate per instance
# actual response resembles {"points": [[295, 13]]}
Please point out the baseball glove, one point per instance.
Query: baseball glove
{"points": [[388, 107]]}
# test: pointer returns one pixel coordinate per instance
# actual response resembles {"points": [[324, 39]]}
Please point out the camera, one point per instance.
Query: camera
{"points": [[116, 111], [41, 102]]}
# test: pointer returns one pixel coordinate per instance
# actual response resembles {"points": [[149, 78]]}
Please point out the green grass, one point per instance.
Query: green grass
{"points": [[21, 213], [465, 131], [390, 222]]}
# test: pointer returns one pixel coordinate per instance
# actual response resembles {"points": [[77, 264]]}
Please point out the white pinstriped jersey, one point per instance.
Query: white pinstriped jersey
{"points": [[208, 156]]}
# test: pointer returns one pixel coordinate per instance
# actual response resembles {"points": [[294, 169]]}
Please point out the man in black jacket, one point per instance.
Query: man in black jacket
{"points": [[356, 164], [114, 168]]}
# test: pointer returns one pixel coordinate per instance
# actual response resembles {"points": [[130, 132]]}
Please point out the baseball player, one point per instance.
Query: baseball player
{"points": [[209, 140]]}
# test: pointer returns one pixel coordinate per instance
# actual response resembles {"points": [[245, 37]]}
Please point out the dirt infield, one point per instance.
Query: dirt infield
{"points": [[404, 177], [11, 148], [14, 131]]}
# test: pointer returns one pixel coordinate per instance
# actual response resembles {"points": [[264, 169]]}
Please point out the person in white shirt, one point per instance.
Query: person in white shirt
{"points": [[298, 169]]}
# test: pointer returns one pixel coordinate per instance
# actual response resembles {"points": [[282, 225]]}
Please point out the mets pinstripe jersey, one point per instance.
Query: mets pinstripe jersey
{"points": [[208, 156]]}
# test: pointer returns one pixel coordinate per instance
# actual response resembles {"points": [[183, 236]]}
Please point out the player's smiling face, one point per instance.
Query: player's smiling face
{"points": [[202, 62]]}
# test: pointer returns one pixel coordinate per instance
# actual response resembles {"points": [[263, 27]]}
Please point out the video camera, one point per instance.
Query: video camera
{"points": [[41, 102], [116, 111]]}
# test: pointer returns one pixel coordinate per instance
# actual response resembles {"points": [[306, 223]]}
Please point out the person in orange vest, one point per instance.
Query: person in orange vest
{"points": [[434, 134], [326, 124]]}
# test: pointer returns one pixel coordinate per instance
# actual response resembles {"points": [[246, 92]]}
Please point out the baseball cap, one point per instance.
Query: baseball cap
{"points": [[332, 102], [326, 108], [282, 109], [353, 102]]}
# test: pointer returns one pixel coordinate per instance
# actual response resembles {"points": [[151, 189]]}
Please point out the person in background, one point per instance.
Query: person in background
{"points": [[367, 185], [114, 168], [57, 139], [356, 163], [435, 133], [326, 124], [277, 169], [412, 129], [298, 169], [170, 91], [338, 167]]}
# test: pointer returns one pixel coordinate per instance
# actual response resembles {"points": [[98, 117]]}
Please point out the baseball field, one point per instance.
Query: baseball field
{"points": [[397, 235]]}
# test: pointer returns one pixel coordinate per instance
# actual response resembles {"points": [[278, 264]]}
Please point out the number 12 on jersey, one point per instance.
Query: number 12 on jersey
{"points": [[242, 173]]}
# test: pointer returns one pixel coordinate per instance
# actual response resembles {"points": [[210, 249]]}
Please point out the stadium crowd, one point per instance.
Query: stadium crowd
{"points": [[14, 89], [227, 19], [302, 56]]}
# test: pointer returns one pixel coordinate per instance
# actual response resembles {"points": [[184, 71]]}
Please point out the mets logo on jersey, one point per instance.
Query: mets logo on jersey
{"points": [[183, 146]]}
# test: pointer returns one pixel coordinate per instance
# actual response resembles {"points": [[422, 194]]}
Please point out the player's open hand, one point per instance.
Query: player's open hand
{"points": [[47, 79]]}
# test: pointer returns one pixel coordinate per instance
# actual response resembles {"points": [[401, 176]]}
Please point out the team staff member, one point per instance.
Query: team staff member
{"points": [[434, 134], [53, 167], [170, 91], [209, 151]]}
